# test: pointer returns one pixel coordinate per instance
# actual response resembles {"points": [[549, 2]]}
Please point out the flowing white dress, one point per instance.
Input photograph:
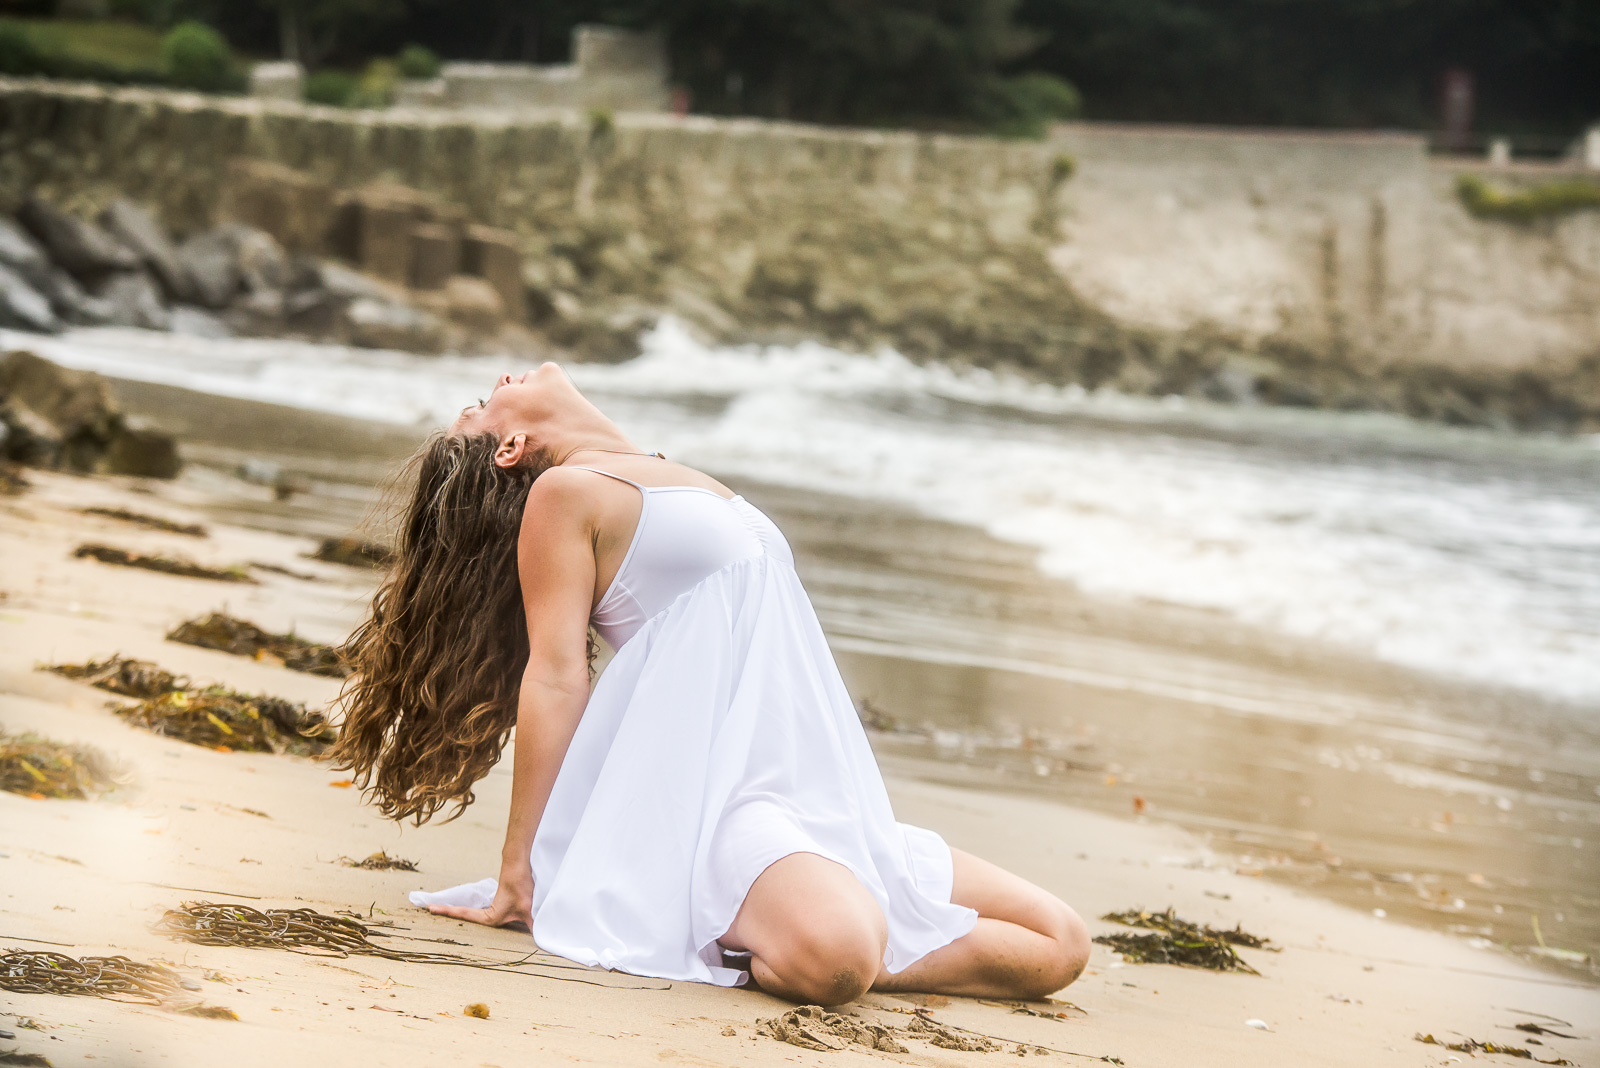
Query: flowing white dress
{"points": [[719, 739]]}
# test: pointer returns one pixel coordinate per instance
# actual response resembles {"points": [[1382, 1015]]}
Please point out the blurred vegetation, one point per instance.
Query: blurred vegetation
{"points": [[1544, 201], [417, 63], [1005, 65], [195, 56]]}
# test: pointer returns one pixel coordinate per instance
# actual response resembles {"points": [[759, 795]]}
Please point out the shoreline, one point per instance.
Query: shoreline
{"points": [[269, 831]]}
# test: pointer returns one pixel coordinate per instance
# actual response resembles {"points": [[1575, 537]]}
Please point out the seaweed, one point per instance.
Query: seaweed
{"points": [[243, 638], [165, 565], [220, 718], [38, 768], [115, 978], [381, 861], [1472, 1045], [813, 1027], [30, 1060], [1173, 940], [1173, 924], [193, 530], [122, 675], [353, 552]]}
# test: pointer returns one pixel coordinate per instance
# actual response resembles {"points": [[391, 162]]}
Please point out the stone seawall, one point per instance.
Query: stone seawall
{"points": [[1302, 269]]}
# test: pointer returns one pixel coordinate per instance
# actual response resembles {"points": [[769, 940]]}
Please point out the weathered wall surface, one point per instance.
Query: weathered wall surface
{"points": [[1303, 269]]}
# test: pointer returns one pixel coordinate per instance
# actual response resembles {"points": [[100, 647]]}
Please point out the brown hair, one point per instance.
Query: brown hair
{"points": [[439, 661]]}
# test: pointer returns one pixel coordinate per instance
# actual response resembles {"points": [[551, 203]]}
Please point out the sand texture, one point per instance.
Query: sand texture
{"points": [[194, 824]]}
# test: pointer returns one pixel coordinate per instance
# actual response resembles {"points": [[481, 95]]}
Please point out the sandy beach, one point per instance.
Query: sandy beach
{"points": [[1346, 986]]}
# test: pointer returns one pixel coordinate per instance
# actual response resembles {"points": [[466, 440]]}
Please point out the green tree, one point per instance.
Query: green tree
{"points": [[309, 31]]}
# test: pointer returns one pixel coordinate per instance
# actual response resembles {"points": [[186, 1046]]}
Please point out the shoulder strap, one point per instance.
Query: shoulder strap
{"points": [[608, 474]]}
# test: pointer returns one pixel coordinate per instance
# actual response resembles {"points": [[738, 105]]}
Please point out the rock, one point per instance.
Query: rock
{"points": [[137, 229], [23, 255], [606, 335], [435, 255], [81, 248], [379, 324], [71, 303], [341, 281], [143, 451], [134, 300], [197, 322], [373, 229], [211, 261], [71, 415], [279, 80], [24, 308], [26, 437], [474, 304], [296, 209], [263, 265], [496, 257]]}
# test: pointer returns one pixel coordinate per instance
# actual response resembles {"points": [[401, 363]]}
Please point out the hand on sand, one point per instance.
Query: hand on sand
{"points": [[512, 905]]}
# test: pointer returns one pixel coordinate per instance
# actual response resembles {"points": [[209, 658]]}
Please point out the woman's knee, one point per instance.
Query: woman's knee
{"points": [[1067, 954], [830, 963]]}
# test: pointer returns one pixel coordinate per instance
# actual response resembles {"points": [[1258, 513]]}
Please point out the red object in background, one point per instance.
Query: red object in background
{"points": [[1456, 100], [680, 100]]}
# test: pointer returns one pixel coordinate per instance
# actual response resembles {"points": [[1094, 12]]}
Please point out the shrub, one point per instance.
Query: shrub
{"points": [[335, 87], [417, 63], [1025, 105], [1526, 205], [195, 56], [375, 87], [18, 54]]}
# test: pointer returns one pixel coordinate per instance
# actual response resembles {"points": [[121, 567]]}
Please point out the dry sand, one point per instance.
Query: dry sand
{"points": [[269, 831]]}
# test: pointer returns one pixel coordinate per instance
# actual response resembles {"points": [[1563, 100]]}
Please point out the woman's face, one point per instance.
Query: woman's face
{"points": [[517, 403]]}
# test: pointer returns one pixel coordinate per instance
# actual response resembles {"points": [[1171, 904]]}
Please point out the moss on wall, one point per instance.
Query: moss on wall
{"points": [[1544, 201]]}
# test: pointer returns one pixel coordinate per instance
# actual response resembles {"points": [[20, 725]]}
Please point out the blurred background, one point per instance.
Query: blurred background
{"points": [[1465, 70], [1188, 409]]}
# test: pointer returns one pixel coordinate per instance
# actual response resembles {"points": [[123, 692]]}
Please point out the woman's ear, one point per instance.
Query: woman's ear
{"points": [[512, 451]]}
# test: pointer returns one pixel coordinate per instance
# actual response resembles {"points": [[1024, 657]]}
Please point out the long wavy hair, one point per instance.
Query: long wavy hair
{"points": [[438, 662]]}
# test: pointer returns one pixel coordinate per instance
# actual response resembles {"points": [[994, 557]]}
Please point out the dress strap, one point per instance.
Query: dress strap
{"points": [[608, 474]]}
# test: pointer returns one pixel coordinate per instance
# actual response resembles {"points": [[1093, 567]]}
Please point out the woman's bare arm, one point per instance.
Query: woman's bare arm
{"points": [[555, 562]]}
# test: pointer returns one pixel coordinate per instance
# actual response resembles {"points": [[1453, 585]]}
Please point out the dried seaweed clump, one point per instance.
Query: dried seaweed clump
{"points": [[1472, 1045], [813, 1027], [381, 861], [243, 638], [122, 675], [1174, 940], [37, 768], [166, 565], [297, 930], [151, 522], [220, 718], [353, 552]]}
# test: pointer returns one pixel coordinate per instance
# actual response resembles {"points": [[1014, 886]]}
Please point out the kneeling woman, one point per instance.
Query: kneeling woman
{"points": [[712, 808]]}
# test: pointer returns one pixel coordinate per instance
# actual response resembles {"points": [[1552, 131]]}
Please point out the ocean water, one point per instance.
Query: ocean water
{"points": [[1472, 555]]}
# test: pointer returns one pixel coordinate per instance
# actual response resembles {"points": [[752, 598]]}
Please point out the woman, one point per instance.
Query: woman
{"points": [[712, 809]]}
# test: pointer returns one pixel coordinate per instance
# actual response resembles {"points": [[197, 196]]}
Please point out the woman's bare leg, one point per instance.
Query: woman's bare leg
{"points": [[1027, 944], [814, 932], [817, 935]]}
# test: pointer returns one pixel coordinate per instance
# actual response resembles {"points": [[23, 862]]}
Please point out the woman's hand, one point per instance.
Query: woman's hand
{"points": [[512, 905]]}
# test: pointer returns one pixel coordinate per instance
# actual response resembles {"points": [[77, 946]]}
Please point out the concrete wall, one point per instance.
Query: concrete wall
{"points": [[1333, 270]]}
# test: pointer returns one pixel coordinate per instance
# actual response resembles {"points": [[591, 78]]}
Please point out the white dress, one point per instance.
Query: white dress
{"points": [[719, 739]]}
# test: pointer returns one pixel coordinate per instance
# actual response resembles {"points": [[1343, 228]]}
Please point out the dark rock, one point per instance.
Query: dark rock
{"points": [[435, 255], [82, 248], [74, 305], [341, 281], [494, 256], [144, 451], [23, 255], [134, 300], [26, 437], [212, 264], [70, 415], [23, 307], [137, 229]]}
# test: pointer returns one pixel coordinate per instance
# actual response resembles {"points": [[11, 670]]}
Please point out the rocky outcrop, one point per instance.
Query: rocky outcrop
{"points": [[54, 417]]}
